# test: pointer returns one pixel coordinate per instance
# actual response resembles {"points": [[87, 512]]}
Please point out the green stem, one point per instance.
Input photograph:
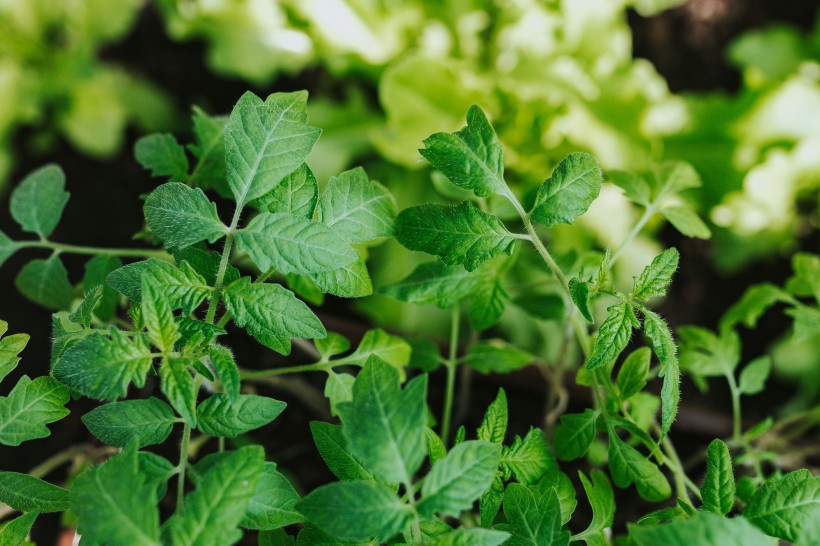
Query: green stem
{"points": [[316, 367], [183, 464], [737, 425], [674, 463], [75, 249], [636, 229], [450, 365]]}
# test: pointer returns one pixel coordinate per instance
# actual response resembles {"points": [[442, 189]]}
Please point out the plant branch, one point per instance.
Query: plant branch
{"points": [[450, 366]]}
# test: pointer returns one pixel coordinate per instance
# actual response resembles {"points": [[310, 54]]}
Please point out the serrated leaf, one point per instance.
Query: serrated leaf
{"points": [[602, 501], [567, 194], [456, 481], [389, 348], [116, 504], [357, 208], [654, 279], [754, 375], [628, 466], [493, 426], [218, 416], [96, 271], [184, 287], [528, 459], [672, 177], [197, 333], [564, 490], [29, 407], [718, 490], [751, 306], [82, 315], [206, 263], [490, 502], [350, 281], [7, 248], [383, 425], [805, 281], [182, 216], [579, 292], [574, 434], [46, 282], [783, 504], [532, 521], [209, 150], [461, 234], [664, 346], [703, 529], [16, 531], [143, 422], [436, 449], [291, 244], [273, 501], [356, 510], [157, 469], [271, 314], [213, 511], [436, 282], [334, 344], [178, 385], [471, 158], [297, 194], [686, 221], [635, 186], [10, 348], [613, 335], [102, 367], [264, 142], [29, 494], [226, 370], [497, 357], [161, 154], [633, 373], [487, 305], [158, 317], [37, 203], [470, 537], [338, 389], [332, 447], [707, 354]]}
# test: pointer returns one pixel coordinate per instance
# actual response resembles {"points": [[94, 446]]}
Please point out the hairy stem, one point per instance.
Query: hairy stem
{"points": [[636, 229], [92, 250], [183, 464], [450, 365], [272, 372]]}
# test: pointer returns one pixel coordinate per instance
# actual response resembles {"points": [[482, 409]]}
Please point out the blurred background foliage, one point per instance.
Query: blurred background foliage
{"points": [[555, 77]]}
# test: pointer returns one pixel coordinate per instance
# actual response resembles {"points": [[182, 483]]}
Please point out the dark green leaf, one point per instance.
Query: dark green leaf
{"points": [[487, 305], [493, 426], [704, 530], [356, 207], [296, 194], [37, 203], [656, 276], [158, 317], [46, 282], [718, 490], [96, 271], [332, 447], [182, 216], [16, 531], [29, 494], [528, 459], [178, 385], [533, 521], [82, 314], [7, 248], [436, 282], [144, 422], [783, 504], [629, 466], [273, 501], [634, 370], [184, 287], [568, 193], [29, 407], [575, 434], [579, 292], [226, 370], [613, 336], [497, 357], [218, 416], [602, 501], [162, 155]]}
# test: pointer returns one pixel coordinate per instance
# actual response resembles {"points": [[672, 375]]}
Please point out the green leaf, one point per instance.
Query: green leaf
{"points": [[338, 389], [271, 314], [184, 287], [533, 521], [206, 263], [545, 306], [16, 531], [567, 194], [226, 370], [436, 449], [334, 344], [497, 357], [291, 244], [116, 504], [296, 194], [144, 422], [273, 501], [470, 537], [574, 434], [806, 322], [686, 221], [213, 511], [628, 466], [707, 354], [82, 315], [103, 367], [528, 459], [37, 203], [46, 282], [157, 469], [209, 150], [383, 425], [632, 375], [663, 344], [435, 282], [656, 276], [29, 407], [783, 504], [704, 530], [635, 186], [264, 142], [754, 375], [10, 348], [805, 281], [718, 490], [456, 481], [493, 426], [158, 317], [389, 348], [178, 385], [356, 510], [350, 281], [487, 305], [7, 248], [460, 234], [579, 292], [672, 177], [613, 336], [304, 287], [471, 158], [564, 489], [196, 333], [218, 416], [161, 154], [751, 306], [357, 208], [491, 500], [332, 447], [29, 494], [96, 271], [182, 216], [602, 501]]}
